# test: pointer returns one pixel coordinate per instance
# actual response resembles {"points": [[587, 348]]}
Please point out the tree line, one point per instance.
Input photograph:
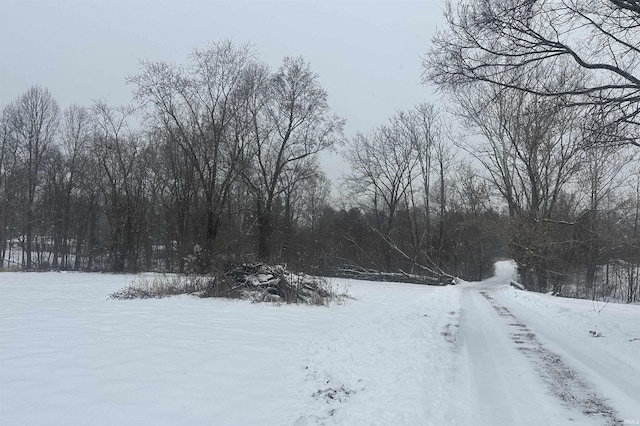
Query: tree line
{"points": [[552, 89], [216, 161], [212, 153]]}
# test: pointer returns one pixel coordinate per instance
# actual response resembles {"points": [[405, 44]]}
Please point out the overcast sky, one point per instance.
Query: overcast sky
{"points": [[367, 53]]}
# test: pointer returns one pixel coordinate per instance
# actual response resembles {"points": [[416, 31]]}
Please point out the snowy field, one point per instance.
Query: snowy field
{"points": [[399, 354]]}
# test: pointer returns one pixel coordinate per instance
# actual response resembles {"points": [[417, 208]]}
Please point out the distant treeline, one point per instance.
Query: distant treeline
{"points": [[216, 162]]}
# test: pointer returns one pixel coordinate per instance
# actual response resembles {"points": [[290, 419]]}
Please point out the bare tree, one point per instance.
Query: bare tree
{"points": [[633, 239], [383, 167], [498, 42], [9, 184], [444, 157], [291, 122], [604, 170], [315, 198], [75, 140], [197, 107], [532, 146], [293, 182], [33, 120], [399, 172], [178, 195], [422, 127], [119, 149], [531, 151], [470, 240]]}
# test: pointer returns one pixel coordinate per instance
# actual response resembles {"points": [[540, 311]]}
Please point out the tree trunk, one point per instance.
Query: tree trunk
{"points": [[264, 235], [29, 235], [590, 279]]}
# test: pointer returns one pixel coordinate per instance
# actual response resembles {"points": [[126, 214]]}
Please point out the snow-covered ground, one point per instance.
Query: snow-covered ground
{"points": [[477, 353]]}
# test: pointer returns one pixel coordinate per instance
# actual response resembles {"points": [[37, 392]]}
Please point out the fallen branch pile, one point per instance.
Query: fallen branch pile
{"points": [[265, 283], [257, 282]]}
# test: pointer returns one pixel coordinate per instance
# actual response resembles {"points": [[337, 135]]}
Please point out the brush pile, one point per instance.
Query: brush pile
{"points": [[257, 282]]}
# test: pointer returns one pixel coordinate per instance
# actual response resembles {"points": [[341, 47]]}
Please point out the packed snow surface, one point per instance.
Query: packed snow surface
{"points": [[396, 354]]}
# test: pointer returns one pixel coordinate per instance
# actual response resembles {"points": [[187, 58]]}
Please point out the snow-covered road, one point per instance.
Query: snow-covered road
{"points": [[499, 384], [520, 365], [399, 354]]}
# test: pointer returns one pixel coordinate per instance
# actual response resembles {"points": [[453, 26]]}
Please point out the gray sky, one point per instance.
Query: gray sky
{"points": [[367, 53]]}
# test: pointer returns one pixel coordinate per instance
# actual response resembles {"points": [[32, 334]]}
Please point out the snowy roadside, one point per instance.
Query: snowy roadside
{"points": [[613, 327], [70, 356], [392, 352], [600, 342]]}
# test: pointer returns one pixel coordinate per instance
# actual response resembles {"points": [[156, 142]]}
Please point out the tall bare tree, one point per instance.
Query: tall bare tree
{"points": [[75, 139], [9, 184], [383, 167], [119, 149], [499, 41], [33, 120], [197, 107], [530, 147], [604, 170], [423, 128], [291, 122]]}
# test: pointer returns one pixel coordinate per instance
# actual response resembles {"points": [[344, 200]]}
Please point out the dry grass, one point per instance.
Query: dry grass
{"points": [[158, 286]]}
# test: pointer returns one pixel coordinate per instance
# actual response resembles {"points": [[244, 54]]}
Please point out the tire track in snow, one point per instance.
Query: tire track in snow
{"points": [[563, 381], [495, 384]]}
